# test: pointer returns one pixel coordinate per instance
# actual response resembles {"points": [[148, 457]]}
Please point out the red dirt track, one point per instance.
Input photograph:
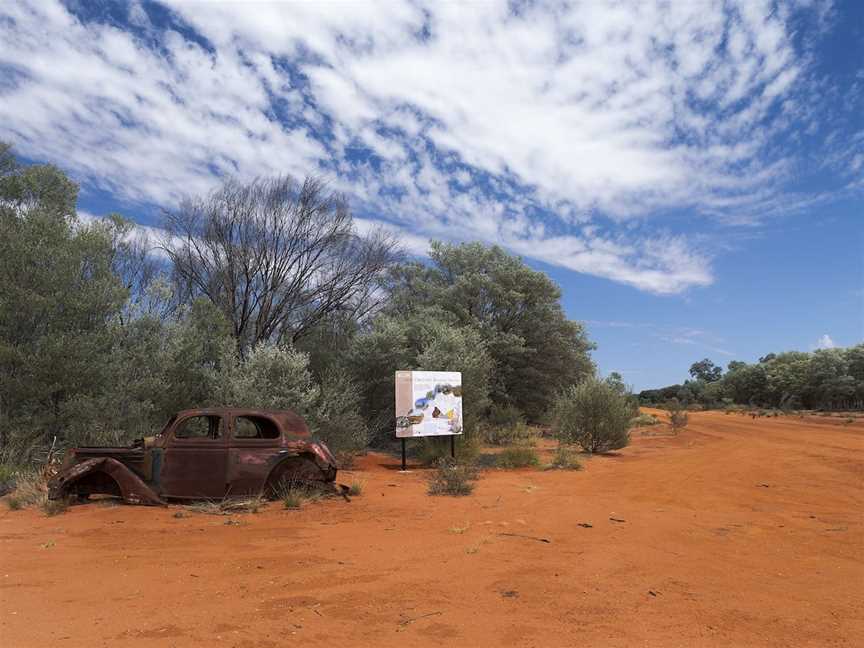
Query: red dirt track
{"points": [[738, 532]]}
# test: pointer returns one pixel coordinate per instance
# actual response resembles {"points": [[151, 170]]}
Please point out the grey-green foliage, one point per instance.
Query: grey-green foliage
{"points": [[593, 414], [336, 416], [271, 377], [421, 340], [58, 300], [534, 348], [678, 417], [452, 479], [825, 378], [706, 371]]}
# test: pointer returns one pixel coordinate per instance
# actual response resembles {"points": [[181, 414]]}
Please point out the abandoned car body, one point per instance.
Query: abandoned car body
{"points": [[201, 454]]}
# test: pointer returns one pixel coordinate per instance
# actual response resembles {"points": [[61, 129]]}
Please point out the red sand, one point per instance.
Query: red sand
{"points": [[738, 532]]}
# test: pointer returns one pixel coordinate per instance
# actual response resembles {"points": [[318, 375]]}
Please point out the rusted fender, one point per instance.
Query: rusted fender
{"points": [[132, 488]]}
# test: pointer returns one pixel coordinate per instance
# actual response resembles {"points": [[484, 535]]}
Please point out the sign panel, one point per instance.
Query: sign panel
{"points": [[428, 403]]}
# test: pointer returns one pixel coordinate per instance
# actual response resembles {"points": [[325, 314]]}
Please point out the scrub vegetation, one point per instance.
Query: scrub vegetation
{"points": [[451, 478], [828, 379], [105, 332], [594, 414]]}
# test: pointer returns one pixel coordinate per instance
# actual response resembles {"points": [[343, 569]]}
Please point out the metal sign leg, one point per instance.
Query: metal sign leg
{"points": [[452, 446], [403, 454]]}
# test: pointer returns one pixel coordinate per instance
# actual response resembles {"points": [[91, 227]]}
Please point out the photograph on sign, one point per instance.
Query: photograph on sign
{"points": [[428, 403]]}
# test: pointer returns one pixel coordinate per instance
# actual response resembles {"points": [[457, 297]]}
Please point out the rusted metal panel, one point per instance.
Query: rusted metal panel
{"points": [[203, 453], [131, 488]]}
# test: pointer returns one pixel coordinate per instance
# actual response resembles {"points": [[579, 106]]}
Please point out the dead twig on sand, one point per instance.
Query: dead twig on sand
{"points": [[411, 620], [527, 537]]}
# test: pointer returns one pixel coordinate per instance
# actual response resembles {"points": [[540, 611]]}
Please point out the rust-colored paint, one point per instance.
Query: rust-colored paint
{"points": [[201, 453]]}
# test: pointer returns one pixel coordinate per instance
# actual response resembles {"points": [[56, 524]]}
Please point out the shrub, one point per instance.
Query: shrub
{"points": [[520, 433], [30, 489], [272, 377], [593, 414], [452, 479], [432, 450], [292, 500], [518, 457], [565, 459], [505, 416], [54, 507], [677, 415], [336, 417], [644, 420], [356, 488]]}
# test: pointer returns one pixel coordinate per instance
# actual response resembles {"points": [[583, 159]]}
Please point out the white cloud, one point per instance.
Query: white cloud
{"points": [[448, 121], [154, 239], [824, 342]]}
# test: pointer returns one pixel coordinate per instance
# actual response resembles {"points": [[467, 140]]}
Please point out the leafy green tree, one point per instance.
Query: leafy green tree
{"points": [[706, 371], [593, 414], [616, 381], [58, 299], [535, 349], [425, 340], [747, 384], [787, 376]]}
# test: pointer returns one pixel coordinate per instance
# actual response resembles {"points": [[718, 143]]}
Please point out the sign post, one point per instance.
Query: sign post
{"points": [[428, 403]]}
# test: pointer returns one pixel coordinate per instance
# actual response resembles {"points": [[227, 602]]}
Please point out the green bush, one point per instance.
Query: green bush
{"points": [[565, 459], [517, 457], [594, 415], [356, 488], [54, 507], [30, 490], [431, 450], [677, 415], [518, 434], [505, 416], [336, 417], [644, 420], [452, 479]]}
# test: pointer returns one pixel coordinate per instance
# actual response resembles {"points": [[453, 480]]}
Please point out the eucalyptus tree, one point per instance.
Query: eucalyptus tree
{"points": [[535, 349], [277, 257]]}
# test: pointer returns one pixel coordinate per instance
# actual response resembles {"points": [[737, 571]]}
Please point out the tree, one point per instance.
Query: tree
{"points": [[425, 340], [535, 349], [593, 414], [58, 298], [706, 371], [276, 257], [616, 381]]}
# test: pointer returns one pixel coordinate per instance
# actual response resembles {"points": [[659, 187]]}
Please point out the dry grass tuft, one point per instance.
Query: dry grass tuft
{"points": [[356, 487], [459, 530], [227, 506], [452, 479], [517, 457], [31, 489], [565, 458]]}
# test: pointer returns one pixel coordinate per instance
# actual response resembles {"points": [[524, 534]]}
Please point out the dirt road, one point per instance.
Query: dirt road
{"points": [[738, 532]]}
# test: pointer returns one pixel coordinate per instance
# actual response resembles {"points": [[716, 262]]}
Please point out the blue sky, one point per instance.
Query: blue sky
{"points": [[690, 173]]}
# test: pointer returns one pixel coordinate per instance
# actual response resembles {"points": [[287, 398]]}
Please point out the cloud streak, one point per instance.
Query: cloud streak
{"points": [[557, 131]]}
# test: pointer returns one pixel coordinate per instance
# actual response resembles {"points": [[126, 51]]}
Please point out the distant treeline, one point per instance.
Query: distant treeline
{"points": [[262, 294], [824, 379]]}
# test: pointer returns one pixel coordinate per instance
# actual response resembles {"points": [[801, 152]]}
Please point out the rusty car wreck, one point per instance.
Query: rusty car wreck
{"points": [[202, 454]]}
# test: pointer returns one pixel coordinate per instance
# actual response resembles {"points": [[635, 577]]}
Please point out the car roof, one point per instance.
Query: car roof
{"points": [[289, 419]]}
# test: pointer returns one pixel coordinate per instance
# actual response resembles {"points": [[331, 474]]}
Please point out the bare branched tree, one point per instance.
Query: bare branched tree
{"points": [[277, 257]]}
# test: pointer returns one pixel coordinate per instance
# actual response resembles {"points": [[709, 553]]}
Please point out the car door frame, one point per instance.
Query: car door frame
{"points": [[251, 460], [196, 468]]}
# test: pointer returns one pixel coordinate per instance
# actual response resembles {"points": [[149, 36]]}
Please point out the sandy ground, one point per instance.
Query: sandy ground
{"points": [[738, 532]]}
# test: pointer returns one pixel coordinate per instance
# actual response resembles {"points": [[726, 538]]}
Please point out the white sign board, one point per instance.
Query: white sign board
{"points": [[428, 403]]}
